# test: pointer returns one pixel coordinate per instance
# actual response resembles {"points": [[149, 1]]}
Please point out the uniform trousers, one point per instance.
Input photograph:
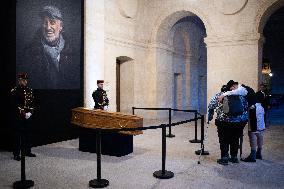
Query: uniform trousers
{"points": [[22, 136]]}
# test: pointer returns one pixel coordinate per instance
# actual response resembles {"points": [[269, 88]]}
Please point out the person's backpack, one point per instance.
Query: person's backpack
{"points": [[232, 105]]}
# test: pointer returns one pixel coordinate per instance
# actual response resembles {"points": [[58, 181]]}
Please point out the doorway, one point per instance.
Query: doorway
{"points": [[124, 84]]}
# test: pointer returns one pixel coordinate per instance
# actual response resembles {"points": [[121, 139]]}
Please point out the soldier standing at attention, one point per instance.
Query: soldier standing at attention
{"points": [[100, 96], [22, 101]]}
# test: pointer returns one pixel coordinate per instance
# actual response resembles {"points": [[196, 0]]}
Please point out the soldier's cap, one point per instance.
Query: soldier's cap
{"points": [[100, 81], [23, 76], [231, 83], [51, 12]]}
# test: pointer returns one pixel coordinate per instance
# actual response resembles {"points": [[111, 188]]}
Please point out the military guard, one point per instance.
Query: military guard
{"points": [[22, 101], [100, 96]]}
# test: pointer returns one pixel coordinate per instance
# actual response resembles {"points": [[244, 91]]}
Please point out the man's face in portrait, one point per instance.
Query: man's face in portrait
{"points": [[51, 30]]}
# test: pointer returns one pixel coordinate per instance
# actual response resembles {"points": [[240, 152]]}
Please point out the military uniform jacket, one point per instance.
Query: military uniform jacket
{"points": [[22, 101], [100, 98]]}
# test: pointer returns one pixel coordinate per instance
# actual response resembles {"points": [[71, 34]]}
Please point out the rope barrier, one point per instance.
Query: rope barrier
{"points": [[148, 127], [162, 174]]}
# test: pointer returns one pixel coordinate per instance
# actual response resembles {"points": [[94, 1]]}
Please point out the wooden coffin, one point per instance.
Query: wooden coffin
{"points": [[93, 118]]}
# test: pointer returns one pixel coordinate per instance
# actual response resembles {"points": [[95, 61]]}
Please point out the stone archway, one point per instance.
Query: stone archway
{"points": [[164, 50], [270, 25], [170, 16], [266, 9], [264, 12]]}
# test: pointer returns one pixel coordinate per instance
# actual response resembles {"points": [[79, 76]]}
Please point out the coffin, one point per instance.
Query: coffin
{"points": [[94, 118]]}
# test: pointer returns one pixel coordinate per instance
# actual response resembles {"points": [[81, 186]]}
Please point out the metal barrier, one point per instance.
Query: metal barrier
{"points": [[161, 174], [23, 183]]}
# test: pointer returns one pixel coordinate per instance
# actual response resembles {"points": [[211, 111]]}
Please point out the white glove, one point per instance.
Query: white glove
{"points": [[105, 108], [28, 115]]}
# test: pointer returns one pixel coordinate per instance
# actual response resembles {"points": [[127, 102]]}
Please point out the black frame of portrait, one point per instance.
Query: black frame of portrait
{"points": [[51, 121]]}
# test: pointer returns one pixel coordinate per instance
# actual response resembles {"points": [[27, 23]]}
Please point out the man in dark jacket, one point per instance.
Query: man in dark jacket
{"points": [[49, 59], [263, 97], [22, 102], [100, 96]]}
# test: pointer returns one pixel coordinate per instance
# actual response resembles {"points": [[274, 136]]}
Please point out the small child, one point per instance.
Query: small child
{"points": [[255, 133]]}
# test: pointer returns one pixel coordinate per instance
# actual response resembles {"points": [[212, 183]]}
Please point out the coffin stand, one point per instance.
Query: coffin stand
{"points": [[112, 143]]}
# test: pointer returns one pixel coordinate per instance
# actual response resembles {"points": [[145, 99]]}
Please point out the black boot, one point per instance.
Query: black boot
{"points": [[17, 158], [249, 159], [258, 154], [223, 161], [234, 159], [30, 154]]}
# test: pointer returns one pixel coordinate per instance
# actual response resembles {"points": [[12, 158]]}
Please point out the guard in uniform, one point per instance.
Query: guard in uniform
{"points": [[100, 96], [22, 101]]}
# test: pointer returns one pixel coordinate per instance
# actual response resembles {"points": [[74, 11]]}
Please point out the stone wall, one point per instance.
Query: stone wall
{"points": [[143, 31]]}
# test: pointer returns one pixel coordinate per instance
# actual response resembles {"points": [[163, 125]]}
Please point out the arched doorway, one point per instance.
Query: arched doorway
{"points": [[124, 84], [270, 23], [273, 52], [181, 62]]}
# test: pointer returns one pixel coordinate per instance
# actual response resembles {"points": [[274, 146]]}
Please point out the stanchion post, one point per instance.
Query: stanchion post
{"points": [[163, 174], [202, 139], [170, 135], [23, 183], [195, 140], [133, 110], [98, 183]]}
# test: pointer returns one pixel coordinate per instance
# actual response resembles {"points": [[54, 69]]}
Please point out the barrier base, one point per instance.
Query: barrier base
{"points": [[195, 141], [170, 135], [167, 174], [98, 183], [22, 184], [197, 152]]}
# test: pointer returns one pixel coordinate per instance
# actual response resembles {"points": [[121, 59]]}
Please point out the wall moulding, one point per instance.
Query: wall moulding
{"points": [[162, 46], [234, 40], [110, 39]]}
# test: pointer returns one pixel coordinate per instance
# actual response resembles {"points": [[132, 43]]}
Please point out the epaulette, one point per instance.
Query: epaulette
{"points": [[13, 89]]}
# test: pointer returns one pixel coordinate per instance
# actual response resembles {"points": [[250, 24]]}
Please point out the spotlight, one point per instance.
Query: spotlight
{"points": [[270, 74]]}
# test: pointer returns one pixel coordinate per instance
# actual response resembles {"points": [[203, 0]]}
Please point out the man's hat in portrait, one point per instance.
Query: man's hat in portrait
{"points": [[231, 83], [51, 12], [100, 81], [22, 76]]}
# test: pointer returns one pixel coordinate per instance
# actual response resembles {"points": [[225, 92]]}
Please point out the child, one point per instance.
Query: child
{"points": [[255, 133]]}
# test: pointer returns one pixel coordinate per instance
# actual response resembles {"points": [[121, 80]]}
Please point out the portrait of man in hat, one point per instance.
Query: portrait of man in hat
{"points": [[50, 58]]}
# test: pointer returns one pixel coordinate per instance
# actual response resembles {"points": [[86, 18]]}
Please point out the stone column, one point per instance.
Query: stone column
{"points": [[187, 80], [94, 48], [193, 84], [234, 57], [164, 76]]}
